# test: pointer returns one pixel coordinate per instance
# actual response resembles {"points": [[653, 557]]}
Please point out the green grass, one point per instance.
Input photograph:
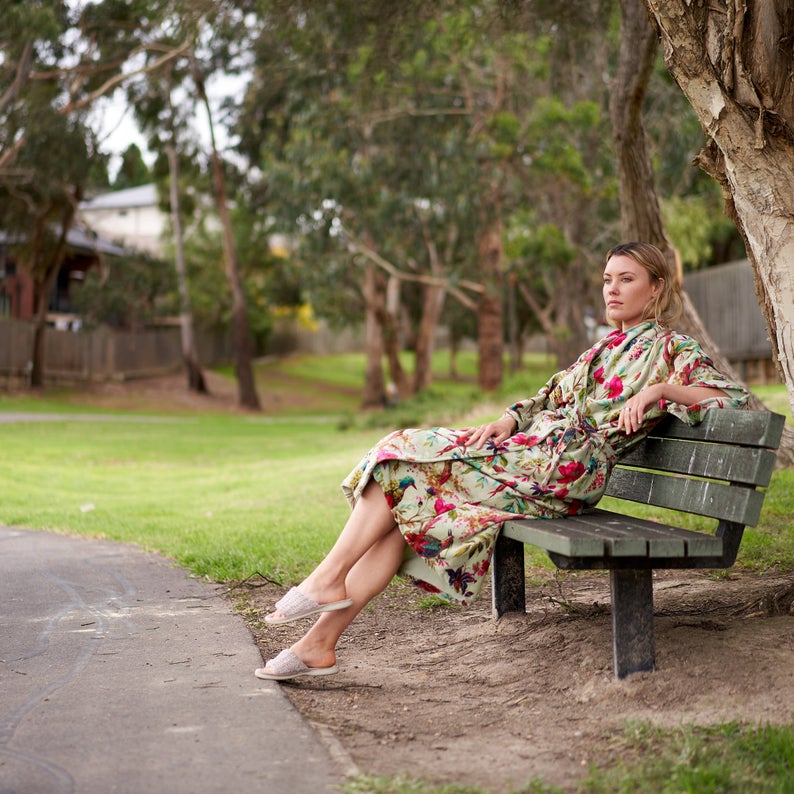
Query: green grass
{"points": [[212, 492], [722, 759], [775, 398], [403, 785]]}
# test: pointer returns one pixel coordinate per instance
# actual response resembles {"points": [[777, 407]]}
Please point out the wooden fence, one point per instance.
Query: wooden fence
{"points": [[725, 299], [103, 354]]}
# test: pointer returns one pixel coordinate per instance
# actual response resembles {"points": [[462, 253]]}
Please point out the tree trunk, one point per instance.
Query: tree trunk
{"points": [[374, 387], [639, 206], [390, 322], [48, 274], [734, 65], [490, 344], [246, 385], [44, 291], [432, 306], [195, 376]]}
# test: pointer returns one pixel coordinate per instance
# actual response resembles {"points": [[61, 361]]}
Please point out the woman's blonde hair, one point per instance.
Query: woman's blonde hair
{"points": [[667, 305]]}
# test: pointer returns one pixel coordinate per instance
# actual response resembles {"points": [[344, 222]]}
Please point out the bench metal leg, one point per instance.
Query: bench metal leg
{"points": [[632, 621], [507, 576]]}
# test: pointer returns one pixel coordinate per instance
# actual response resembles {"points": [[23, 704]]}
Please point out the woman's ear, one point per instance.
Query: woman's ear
{"points": [[657, 286]]}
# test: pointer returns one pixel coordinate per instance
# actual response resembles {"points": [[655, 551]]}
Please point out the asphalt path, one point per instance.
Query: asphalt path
{"points": [[119, 672]]}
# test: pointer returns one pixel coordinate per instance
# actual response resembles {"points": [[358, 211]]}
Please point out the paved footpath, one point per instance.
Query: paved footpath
{"points": [[121, 673]]}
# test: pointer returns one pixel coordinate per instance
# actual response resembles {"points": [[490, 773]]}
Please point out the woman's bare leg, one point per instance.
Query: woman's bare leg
{"points": [[369, 522], [367, 578]]}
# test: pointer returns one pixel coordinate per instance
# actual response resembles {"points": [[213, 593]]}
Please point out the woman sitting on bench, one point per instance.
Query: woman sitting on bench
{"points": [[442, 494]]}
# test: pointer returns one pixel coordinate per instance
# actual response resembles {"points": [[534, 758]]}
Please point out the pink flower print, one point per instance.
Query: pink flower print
{"points": [[442, 507], [614, 387], [570, 472], [598, 375]]}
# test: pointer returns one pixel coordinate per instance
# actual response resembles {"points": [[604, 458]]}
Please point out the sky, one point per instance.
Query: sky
{"points": [[118, 129]]}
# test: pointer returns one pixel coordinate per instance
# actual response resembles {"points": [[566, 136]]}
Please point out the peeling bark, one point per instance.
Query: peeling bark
{"points": [[733, 61]]}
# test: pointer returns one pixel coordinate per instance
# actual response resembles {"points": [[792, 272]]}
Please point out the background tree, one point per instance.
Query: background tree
{"points": [[38, 208], [133, 170]]}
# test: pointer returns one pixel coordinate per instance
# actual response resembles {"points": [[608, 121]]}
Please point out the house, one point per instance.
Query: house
{"points": [[131, 217], [17, 290]]}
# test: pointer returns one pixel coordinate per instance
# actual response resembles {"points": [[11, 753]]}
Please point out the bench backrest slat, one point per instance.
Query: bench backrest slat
{"points": [[711, 469], [731, 426], [715, 461], [706, 498]]}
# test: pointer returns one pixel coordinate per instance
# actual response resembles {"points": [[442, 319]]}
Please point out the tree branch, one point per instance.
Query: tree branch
{"points": [[118, 79], [434, 281]]}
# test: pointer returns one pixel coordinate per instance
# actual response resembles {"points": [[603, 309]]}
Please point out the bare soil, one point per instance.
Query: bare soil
{"points": [[449, 694]]}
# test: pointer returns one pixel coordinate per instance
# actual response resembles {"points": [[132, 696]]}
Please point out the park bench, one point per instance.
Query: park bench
{"points": [[711, 469]]}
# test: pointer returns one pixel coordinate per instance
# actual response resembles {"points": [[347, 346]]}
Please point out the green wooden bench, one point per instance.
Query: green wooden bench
{"points": [[712, 469]]}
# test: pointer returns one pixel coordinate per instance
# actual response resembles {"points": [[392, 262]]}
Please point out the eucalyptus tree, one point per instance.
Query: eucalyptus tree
{"points": [[412, 132], [165, 124], [39, 205], [341, 164], [734, 63], [45, 149], [56, 61], [205, 38], [640, 213]]}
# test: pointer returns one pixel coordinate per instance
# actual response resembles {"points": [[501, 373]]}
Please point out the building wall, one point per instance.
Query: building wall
{"points": [[133, 227]]}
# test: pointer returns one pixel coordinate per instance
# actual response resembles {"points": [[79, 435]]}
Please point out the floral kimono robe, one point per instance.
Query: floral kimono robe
{"points": [[449, 501]]}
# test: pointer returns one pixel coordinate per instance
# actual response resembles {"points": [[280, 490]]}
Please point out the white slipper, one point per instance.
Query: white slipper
{"points": [[287, 665], [295, 605]]}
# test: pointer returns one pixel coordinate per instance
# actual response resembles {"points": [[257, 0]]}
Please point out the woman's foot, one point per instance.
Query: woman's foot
{"points": [[308, 599], [288, 665]]}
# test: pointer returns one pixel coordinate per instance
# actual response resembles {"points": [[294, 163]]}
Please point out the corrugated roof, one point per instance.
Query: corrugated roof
{"points": [[141, 196], [79, 239]]}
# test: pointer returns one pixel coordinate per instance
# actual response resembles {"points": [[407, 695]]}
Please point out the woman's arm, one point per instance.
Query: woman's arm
{"points": [[631, 415]]}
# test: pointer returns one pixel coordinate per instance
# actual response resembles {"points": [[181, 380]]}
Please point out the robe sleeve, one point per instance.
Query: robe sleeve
{"points": [[690, 366]]}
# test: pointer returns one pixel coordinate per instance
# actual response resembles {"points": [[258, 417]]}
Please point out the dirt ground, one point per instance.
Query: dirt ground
{"points": [[448, 694]]}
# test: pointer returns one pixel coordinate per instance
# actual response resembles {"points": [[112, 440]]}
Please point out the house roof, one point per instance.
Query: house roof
{"points": [[141, 196], [78, 239], [85, 240]]}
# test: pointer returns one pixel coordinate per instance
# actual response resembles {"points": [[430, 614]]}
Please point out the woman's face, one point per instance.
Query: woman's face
{"points": [[627, 291]]}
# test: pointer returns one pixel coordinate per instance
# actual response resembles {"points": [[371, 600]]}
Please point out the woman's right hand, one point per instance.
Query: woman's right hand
{"points": [[497, 431]]}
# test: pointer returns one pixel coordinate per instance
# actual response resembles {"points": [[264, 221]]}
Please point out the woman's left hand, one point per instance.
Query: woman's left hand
{"points": [[630, 417]]}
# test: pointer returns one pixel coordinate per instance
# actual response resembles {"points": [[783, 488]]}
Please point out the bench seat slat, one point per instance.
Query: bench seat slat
{"points": [[659, 536], [712, 499], [619, 542], [601, 533], [553, 535], [714, 461]]}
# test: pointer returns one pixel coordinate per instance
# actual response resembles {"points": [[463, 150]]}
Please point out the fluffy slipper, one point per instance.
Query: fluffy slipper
{"points": [[296, 605], [287, 665]]}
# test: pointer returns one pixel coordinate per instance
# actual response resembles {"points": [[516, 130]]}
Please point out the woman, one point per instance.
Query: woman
{"points": [[433, 501]]}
